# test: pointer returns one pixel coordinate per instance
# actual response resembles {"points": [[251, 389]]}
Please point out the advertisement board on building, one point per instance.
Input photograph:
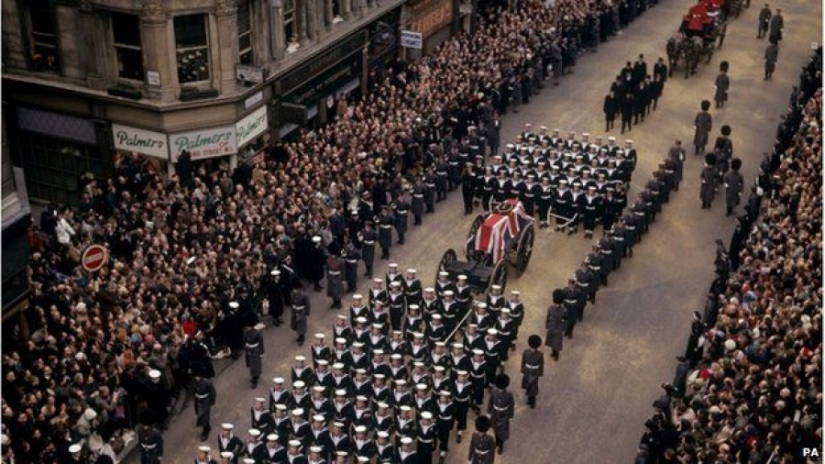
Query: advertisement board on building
{"points": [[253, 125], [430, 16], [203, 144], [145, 142]]}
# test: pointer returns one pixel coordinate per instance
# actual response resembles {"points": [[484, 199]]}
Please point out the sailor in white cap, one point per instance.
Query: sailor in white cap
{"points": [[294, 454], [363, 446], [203, 455], [227, 457], [227, 441], [412, 287], [384, 449], [437, 330], [300, 371], [397, 304], [377, 292], [277, 393], [443, 284], [320, 349], [316, 455], [408, 454], [261, 417], [427, 433], [76, 451], [253, 442], [392, 275], [273, 451], [150, 442]]}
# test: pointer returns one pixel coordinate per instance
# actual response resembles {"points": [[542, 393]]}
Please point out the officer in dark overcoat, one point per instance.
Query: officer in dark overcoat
{"points": [[368, 237], [555, 324], [386, 221], [204, 400], [151, 444], [402, 209], [254, 351]]}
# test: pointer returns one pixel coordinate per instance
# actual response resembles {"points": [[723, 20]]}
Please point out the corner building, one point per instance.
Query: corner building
{"points": [[87, 82]]}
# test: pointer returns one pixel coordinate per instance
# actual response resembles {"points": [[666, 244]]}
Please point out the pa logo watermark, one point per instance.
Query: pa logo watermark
{"points": [[811, 453]]}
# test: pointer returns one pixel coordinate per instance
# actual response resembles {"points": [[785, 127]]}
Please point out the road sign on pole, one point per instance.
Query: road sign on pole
{"points": [[412, 39], [94, 257]]}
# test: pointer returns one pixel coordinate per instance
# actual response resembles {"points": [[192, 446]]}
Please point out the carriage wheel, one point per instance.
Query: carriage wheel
{"points": [[525, 249], [470, 247], [447, 258], [498, 276]]}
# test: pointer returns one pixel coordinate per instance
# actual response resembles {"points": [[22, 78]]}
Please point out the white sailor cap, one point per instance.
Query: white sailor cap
{"points": [[383, 434], [357, 344], [360, 429], [436, 317], [234, 304], [357, 296], [342, 317], [227, 426], [492, 331], [280, 407], [316, 239], [427, 415], [361, 320], [320, 335], [458, 345], [75, 448], [340, 392], [429, 289], [440, 344], [338, 365], [154, 374], [393, 265], [295, 443], [478, 352], [318, 388], [401, 383], [515, 292], [378, 280], [322, 362], [315, 449], [272, 437], [318, 418], [405, 408], [411, 271], [254, 432], [421, 386], [298, 412], [395, 356], [395, 283], [611, 138], [505, 311], [443, 274], [510, 145], [628, 141], [201, 448], [258, 399], [275, 272], [496, 287], [227, 454], [406, 440], [438, 368], [383, 405], [449, 293]]}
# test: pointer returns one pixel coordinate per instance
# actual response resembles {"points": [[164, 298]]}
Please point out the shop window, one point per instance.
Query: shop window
{"points": [[192, 48], [290, 31], [126, 34], [245, 32], [43, 36]]}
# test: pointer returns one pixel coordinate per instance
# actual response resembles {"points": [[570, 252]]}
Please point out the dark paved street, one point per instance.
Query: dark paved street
{"points": [[594, 401]]}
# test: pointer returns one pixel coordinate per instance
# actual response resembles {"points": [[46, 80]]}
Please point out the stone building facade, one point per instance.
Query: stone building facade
{"points": [[87, 81]]}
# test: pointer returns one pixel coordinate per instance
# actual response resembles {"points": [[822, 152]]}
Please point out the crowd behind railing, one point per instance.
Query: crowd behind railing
{"points": [[749, 386]]}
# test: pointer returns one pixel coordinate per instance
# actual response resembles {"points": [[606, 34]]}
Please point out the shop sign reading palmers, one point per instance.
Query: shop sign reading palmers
{"points": [[205, 143]]}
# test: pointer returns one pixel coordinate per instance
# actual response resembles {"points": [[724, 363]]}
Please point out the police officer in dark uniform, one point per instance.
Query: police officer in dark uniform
{"points": [[351, 257], [368, 238], [385, 224], [254, 351], [151, 444], [204, 400], [402, 209], [574, 306], [417, 203]]}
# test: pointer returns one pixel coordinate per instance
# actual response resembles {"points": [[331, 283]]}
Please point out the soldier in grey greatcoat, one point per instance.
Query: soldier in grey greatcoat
{"points": [[301, 307], [702, 124], [708, 178], [482, 445], [254, 351], [501, 409], [532, 368], [734, 184], [555, 324], [151, 444], [368, 236]]}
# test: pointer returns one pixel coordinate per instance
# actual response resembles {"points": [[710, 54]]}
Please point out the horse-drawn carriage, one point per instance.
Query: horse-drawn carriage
{"points": [[504, 235], [702, 30]]}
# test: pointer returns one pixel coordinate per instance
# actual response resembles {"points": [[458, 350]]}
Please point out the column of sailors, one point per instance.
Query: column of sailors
{"points": [[388, 385], [578, 180]]}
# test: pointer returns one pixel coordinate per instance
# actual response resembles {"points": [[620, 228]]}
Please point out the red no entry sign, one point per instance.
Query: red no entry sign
{"points": [[93, 257]]}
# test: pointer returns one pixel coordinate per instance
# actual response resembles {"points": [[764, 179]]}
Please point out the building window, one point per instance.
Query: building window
{"points": [[126, 32], [43, 35], [290, 31], [192, 47], [245, 32]]}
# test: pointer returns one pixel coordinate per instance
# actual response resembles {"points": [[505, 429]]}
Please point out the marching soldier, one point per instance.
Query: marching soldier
{"points": [[335, 282], [351, 257], [462, 400], [482, 445], [204, 400], [501, 409], [734, 184], [368, 238], [417, 203], [385, 224], [408, 454], [254, 351], [401, 219], [592, 211], [301, 308], [532, 368], [468, 187], [227, 441], [261, 418], [412, 288], [478, 378], [151, 444], [429, 191], [427, 434], [555, 324], [204, 456], [445, 421]]}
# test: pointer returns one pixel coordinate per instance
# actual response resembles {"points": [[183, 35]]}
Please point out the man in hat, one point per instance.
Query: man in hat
{"points": [[150, 440], [335, 279], [708, 178], [204, 456], [272, 452], [501, 409], [294, 454], [407, 454], [261, 418], [316, 258], [764, 21], [351, 256], [254, 351], [734, 184], [722, 85], [368, 236], [702, 125], [385, 221], [445, 420], [427, 433], [277, 291], [401, 213], [482, 445], [771, 56], [301, 308], [204, 400], [227, 441], [555, 324], [532, 368]]}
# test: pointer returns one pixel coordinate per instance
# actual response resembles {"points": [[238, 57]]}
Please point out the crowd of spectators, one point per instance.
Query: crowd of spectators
{"points": [[749, 387], [183, 247]]}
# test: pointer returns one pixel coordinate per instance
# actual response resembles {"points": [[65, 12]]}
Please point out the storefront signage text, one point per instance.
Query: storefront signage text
{"points": [[253, 99], [431, 15], [251, 126], [142, 141], [208, 143]]}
